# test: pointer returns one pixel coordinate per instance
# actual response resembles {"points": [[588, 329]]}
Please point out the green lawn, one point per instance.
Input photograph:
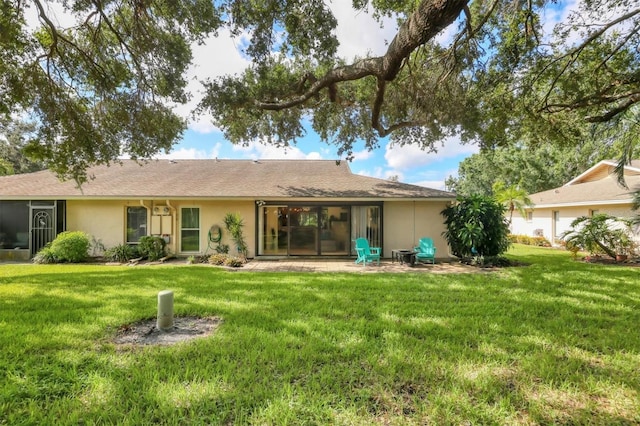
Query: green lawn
{"points": [[554, 342]]}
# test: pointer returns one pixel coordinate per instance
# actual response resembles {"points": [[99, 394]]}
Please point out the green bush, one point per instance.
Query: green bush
{"points": [[600, 233], [121, 253], [71, 246], [153, 248], [530, 241], [476, 227], [234, 224], [45, 256]]}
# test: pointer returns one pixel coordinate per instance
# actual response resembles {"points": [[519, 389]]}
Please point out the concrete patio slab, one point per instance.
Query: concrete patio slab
{"points": [[317, 265]]}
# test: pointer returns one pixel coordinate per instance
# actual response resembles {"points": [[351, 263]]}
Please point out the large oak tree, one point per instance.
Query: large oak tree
{"points": [[102, 87]]}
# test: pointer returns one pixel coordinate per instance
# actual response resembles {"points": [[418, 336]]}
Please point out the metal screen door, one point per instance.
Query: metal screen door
{"points": [[42, 227]]}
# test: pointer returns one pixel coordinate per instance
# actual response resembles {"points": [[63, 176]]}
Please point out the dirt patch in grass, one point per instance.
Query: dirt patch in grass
{"points": [[145, 332]]}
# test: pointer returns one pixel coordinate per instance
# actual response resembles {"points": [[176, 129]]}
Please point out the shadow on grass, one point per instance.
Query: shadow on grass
{"points": [[553, 342]]}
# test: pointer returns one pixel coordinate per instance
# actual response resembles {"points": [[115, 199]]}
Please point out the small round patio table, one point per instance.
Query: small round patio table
{"points": [[404, 256]]}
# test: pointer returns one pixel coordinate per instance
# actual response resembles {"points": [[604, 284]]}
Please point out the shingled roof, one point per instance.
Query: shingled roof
{"points": [[598, 185], [272, 179]]}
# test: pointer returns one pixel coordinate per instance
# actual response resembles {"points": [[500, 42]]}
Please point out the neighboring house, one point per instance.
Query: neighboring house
{"points": [[594, 191], [289, 208]]}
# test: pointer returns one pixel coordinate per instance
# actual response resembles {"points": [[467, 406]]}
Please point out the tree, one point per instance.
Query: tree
{"points": [[533, 165], [103, 86], [512, 197], [601, 233], [476, 227], [500, 78], [13, 158]]}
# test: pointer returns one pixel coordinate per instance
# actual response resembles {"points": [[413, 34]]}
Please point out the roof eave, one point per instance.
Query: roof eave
{"points": [[583, 204]]}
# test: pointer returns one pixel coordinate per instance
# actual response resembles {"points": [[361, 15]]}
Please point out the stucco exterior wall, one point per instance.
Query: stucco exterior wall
{"points": [[103, 220], [213, 213], [406, 222], [543, 219]]}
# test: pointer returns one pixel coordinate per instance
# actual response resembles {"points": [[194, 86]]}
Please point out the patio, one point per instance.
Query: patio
{"points": [[342, 265]]}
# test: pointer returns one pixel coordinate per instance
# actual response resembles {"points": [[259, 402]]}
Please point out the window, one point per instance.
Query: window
{"points": [[366, 222], [529, 216], [593, 212], [136, 224], [14, 224], [190, 230]]}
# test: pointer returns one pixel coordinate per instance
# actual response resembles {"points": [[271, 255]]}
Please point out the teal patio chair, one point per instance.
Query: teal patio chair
{"points": [[425, 251], [366, 254]]}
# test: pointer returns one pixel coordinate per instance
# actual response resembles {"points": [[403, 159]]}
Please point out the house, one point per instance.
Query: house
{"points": [[288, 207], [595, 191]]}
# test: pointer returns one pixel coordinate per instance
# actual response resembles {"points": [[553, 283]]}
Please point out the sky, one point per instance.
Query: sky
{"points": [[358, 34]]}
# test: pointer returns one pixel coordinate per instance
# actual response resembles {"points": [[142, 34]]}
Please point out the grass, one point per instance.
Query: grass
{"points": [[553, 342]]}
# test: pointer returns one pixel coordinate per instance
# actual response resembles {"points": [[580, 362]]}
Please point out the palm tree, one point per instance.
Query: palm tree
{"points": [[513, 198]]}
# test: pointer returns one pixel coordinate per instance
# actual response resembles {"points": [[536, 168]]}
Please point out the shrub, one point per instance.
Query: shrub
{"points": [[600, 233], [530, 241], [234, 224], [234, 262], [44, 256], [226, 260], [71, 246], [222, 248], [121, 253], [476, 227], [218, 258], [151, 247]]}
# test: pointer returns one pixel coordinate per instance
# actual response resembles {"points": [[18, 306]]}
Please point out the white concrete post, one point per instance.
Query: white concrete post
{"points": [[165, 310]]}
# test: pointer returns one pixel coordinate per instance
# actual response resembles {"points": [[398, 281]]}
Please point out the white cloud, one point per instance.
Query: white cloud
{"points": [[191, 153], [359, 33], [365, 154], [411, 156], [257, 151]]}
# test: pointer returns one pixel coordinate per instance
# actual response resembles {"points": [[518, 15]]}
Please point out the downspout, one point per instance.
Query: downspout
{"points": [[174, 224]]}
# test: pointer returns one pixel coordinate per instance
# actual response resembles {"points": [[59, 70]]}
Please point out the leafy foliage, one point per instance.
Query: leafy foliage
{"points": [[121, 253], [534, 166], [476, 227], [152, 247], [529, 241], [45, 256], [234, 224], [106, 85], [600, 233], [69, 246], [103, 86], [226, 260], [513, 198]]}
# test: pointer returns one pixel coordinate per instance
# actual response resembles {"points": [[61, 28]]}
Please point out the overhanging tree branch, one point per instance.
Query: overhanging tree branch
{"points": [[429, 18]]}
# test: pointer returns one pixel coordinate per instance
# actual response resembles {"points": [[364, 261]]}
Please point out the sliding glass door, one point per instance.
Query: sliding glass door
{"points": [[303, 230], [315, 230]]}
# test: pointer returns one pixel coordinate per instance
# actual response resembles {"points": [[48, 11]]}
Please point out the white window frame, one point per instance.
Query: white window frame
{"points": [[190, 229]]}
